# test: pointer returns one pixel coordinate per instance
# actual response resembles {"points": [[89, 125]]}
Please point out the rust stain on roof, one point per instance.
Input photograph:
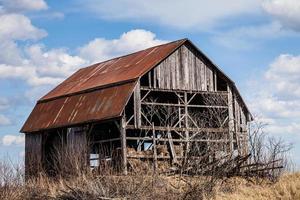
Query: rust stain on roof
{"points": [[81, 108], [113, 71]]}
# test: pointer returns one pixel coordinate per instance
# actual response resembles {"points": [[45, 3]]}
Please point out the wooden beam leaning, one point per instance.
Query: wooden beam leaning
{"points": [[173, 153]]}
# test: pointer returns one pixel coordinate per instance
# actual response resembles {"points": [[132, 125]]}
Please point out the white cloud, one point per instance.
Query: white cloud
{"points": [[278, 101], [101, 49], [4, 120], [29, 74], [15, 27], [38, 66], [23, 5], [9, 140], [54, 63], [189, 14], [286, 11], [284, 129], [18, 27], [284, 73], [250, 37], [275, 108]]}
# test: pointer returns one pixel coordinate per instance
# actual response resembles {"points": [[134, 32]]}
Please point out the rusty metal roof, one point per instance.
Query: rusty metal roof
{"points": [[81, 108], [99, 91], [113, 71]]}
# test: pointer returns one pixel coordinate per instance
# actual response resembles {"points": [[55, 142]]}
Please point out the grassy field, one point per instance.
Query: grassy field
{"points": [[287, 188], [149, 187]]}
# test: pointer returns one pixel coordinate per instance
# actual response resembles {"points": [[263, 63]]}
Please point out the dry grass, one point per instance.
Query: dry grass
{"points": [[90, 186], [287, 188]]}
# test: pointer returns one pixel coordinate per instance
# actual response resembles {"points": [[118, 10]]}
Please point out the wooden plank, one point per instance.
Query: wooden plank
{"points": [[237, 122], [106, 141], [150, 78], [137, 105], [188, 91], [180, 105], [185, 67], [205, 77], [231, 118], [33, 154], [154, 149], [123, 144], [77, 144], [172, 149], [178, 140], [215, 81], [177, 70], [155, 76], [162, 128]]}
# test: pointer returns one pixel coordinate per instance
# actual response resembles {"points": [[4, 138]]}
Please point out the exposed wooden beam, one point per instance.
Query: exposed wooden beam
{"points": [[162, 128]]}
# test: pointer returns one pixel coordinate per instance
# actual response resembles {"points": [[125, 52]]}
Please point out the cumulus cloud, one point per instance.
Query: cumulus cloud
{"points": [[23, 5], [286, 11], [278, 102], [284, 73], [18, 27], [55, 62], [34, 64], [28, 74], [9, 140], [4, 121], [249, 37], [189, 14], [101, 49]]}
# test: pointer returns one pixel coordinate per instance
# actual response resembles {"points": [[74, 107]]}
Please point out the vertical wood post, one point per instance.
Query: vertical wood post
{"points": [[154, 149], [237, 123], [230, 118], [137, 105], [186, 126], [123, 145]]}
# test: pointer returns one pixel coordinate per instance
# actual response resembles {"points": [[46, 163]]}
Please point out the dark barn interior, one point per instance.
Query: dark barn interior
{"points": [[153, 108]]}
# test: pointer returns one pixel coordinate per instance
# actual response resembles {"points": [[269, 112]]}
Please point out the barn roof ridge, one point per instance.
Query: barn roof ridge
{"points": [[135, 52]]}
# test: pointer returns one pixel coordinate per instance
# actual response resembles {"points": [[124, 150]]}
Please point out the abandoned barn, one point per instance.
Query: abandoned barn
{"points": [[156, 106]]}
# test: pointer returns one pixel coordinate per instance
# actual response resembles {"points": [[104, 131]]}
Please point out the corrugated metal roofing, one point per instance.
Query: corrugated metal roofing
{"points": [[99, 91], [81, 108], [113, 71]]}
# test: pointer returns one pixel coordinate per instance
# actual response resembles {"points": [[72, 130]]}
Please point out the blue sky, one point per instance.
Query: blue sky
{"points": [[255, 42]]}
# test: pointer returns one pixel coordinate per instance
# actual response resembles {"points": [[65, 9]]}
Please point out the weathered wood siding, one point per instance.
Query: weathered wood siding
{"points": [[77, 143], [183, 70], [33, 154]]}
